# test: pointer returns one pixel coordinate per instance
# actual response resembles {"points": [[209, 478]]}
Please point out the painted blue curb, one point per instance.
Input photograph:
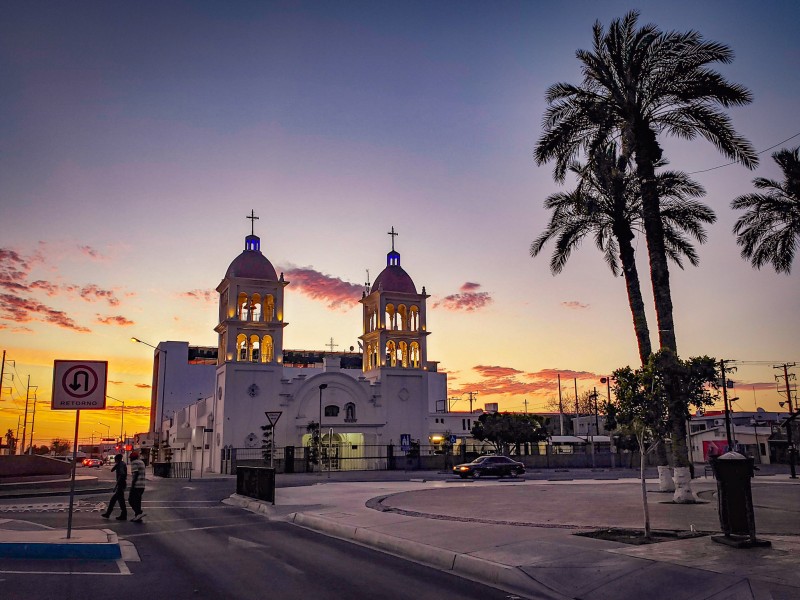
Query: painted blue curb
{"points": [[41, 550]]}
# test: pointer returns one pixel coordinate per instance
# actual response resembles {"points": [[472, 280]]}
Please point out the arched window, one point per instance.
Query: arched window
{"points": [[255, 348], [404, 354], [414, 320], [256, 308], [268, 351], [415, 355], [269, 307], [391, 354], [241, 347], [390, 317], [349, 413], [241, 307], [331, 410]]}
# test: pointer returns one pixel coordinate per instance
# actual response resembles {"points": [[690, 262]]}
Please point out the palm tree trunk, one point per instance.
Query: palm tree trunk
{"points": [[659, 277], [635, 301], [659, 272]]}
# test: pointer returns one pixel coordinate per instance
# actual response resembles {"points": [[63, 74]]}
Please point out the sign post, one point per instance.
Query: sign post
{"points": [[78, 385], [272, 417]]}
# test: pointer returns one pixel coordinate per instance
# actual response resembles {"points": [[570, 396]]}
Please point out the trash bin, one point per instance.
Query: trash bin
{"points": [[256, 482], [734, 497], [162, 469]]}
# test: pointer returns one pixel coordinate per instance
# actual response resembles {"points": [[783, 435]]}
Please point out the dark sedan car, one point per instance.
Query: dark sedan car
{"points": [[489, 465]]}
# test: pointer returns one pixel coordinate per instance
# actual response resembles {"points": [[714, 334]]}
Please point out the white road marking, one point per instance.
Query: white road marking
{"points": [[243, 543], [61, 573], [174, 531]]}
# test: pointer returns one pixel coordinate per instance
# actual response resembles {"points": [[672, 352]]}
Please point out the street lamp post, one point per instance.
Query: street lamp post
{"points": [[163, 389], [322, 386], [122, 418], [108, 428]]}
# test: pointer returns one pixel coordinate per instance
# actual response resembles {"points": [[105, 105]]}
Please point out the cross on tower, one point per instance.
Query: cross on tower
{"points": [[392, 233], [253, 218], [331, 345]]}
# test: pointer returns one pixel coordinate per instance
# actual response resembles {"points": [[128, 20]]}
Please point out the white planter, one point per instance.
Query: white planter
{"points": [[665, 482], [683, 486]]}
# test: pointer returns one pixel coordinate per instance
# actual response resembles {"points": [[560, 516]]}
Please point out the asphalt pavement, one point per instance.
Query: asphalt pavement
{"points": [[521, 536]]}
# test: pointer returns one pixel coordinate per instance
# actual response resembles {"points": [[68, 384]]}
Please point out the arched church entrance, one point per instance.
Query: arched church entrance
{"points": [[340, 451]]}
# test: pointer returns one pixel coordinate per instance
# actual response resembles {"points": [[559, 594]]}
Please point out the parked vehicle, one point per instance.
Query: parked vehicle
{"points": [[501, 466]]}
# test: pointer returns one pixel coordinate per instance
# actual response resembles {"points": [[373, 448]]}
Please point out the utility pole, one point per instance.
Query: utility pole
{"points": [[576, 396], [790, 443], [25, 420], [596, 416], [727, 409], [560, 405], [525, 402], [2, 372], [33, 418], [470, 400]]}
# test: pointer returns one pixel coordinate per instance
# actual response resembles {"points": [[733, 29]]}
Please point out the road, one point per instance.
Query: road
{"points": [[191, 546]]}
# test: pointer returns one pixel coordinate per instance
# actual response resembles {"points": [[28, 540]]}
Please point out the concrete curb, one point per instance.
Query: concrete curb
{"points": [[505, 577], [87, 544], [256, 506]]}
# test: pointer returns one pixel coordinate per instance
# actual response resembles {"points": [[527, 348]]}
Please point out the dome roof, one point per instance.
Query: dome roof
{"points": [[251, 263], [394, 278]]}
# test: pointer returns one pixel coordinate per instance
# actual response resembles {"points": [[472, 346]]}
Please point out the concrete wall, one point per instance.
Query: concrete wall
{"points": [[32, 466]]}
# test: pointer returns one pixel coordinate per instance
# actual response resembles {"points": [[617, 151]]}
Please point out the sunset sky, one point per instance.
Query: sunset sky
{"points": [[137, 136]]}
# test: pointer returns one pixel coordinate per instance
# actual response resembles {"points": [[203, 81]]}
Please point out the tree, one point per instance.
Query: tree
{"points": [[769, 230], [11, 442], [314, 443], [643, 406], [266, 442], [639, 83], [585, 404], [60, 447], [504, 429], [607, 205]]}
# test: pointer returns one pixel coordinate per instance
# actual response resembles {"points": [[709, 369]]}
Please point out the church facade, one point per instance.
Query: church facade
{"points": [[387, 393]]}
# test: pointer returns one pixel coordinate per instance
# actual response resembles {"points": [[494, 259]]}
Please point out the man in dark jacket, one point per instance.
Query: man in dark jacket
{"points": [[119, 490]]}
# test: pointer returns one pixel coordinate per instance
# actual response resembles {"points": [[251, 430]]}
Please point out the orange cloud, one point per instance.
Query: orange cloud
{"points": [[14, 269], [496, 380], [144, 386], [574, 305], [201, 295], [469, 299], [116, 320], [92, 293], [91, 253], [337, 293], [25, 310]]}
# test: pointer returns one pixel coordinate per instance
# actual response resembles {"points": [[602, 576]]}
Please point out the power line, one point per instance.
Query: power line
{"points": [[736, 162]]}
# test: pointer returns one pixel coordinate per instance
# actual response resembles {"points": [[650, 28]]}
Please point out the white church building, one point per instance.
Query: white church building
{"points": [[370, 398]]}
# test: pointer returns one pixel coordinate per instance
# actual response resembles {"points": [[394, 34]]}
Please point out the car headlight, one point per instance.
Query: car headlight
{"points": [[463, 468]]}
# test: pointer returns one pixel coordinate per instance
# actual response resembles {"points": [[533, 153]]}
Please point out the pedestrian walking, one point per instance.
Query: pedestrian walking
{"points": [[137, 486], [121, 470]]}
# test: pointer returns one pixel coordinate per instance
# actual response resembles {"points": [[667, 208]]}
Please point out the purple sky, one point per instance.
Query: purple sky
{"points": [[137, 136]]}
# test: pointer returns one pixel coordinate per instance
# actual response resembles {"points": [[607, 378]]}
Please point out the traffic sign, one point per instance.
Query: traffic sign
{"points": [[405, 442], [273, 416], [453, 439], [79, 385]]}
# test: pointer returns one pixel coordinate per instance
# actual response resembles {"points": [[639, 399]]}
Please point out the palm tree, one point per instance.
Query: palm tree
{"points": [[637, 84], [606, 204], [770, 229]]}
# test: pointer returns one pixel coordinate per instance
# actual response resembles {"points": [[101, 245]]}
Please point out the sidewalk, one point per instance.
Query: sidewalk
{"points": [[519, 536]]}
